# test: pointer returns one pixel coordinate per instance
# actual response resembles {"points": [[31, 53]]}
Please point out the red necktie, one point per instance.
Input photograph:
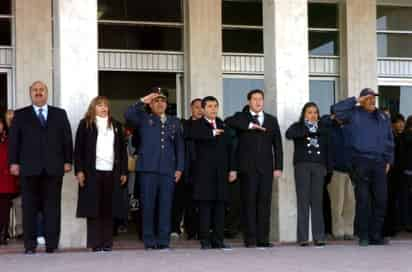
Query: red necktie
{"points": [[213, 124]]}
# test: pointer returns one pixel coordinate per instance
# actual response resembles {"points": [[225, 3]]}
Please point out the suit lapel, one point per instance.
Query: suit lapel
{"points": [[266, 123]]}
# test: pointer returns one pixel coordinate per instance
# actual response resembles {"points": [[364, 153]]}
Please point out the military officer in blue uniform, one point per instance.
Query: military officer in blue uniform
{"points": [[159, 166]]}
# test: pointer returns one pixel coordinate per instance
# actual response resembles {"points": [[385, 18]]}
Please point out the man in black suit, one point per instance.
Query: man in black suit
{"points": [[260, 155], [183, 205], [40, 152], [212, 170]]}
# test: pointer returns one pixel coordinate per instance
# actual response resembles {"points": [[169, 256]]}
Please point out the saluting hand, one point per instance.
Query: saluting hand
{"points": [[232, 176], [277, 173], [178, 175], [148, 98], [15, 169], [257, 127], [123, 180], [81, 178], [219, 131]]}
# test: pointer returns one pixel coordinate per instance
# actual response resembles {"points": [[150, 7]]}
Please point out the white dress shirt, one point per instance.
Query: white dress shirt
{"points": [[214, 125], [261, 118], [104, 145], [45, 111]]}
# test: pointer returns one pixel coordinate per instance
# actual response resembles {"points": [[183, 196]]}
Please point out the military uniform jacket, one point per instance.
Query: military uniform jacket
{"points": [[161, 147]]}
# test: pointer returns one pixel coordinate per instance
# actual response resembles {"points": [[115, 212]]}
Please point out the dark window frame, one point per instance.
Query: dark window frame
{"points": [[325, 29], [399, 32], [246, 28]]}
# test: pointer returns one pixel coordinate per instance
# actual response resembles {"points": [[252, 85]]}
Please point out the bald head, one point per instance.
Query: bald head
{"points": [[39, 93]]}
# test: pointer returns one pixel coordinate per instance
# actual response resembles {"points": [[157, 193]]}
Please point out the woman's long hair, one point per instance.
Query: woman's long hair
{"points": [[4, 133], [90, 116], [305, 107]]}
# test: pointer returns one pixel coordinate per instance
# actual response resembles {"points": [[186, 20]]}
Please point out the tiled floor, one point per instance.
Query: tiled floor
{"points": [[128, 256]]}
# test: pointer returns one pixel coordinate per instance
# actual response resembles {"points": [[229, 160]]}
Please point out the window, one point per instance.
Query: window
{"points": [[5, 32], [242, 26], [141, 25], [322, 92], [398, 99], [243, 40], [242, 13], [138, 10], [235, 91], [140, 37], [5, 23], [394, 31], [323, 43], [323, 29], [122, 88], [5, 7]]}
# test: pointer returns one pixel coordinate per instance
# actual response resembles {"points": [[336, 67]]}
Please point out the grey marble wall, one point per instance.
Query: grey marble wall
{"points": [[203, 49], [76, 78], [287, 89], [34, 58]]}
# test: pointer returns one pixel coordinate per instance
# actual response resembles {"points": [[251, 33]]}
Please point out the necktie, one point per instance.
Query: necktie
{"points": [[213, 124], [41, 118], [255, 119]]}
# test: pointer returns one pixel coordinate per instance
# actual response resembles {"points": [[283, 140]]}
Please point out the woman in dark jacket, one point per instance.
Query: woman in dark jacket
{"points": [[311, 161], [8, 184], [101, 169]]}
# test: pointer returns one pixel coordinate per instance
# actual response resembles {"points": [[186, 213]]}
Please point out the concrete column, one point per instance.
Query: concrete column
{"points": [[204, 49], [76, 84], [358, 46], [33, 47], [287, 89]]}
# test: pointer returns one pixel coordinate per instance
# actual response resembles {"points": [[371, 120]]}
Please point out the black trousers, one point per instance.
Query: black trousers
{"points": [[371, 197], [392, 223], [256, 197], [211, 217], [309, 179], [184, 209], [100, 228], [233, 211], [41, 193]]}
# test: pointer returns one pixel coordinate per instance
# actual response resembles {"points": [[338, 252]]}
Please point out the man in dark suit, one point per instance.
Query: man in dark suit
{"points": [[212, 169], [41, 151], [160, 164], [183, 204], [260, 155]]}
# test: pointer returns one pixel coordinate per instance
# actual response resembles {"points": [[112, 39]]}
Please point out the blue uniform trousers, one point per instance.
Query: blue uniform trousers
{"points": [[371, 197], [156, 190]]}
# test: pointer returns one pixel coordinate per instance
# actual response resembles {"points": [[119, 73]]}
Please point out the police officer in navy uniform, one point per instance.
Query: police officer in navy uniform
{"points": [[159, 166]]}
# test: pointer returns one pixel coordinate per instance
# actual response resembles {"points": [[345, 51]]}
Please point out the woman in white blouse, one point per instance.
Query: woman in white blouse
{"points": [[100, 167]]}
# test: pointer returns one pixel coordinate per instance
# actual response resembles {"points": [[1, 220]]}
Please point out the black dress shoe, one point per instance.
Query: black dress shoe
{"points": [[205, 245], [30, 251], [163, 247], [379, 242], [96, 249], [304, 243], [150, 247], [265, 245], [220, 245], [320, 243], [107, 249], [250, 244], [50, 250]]}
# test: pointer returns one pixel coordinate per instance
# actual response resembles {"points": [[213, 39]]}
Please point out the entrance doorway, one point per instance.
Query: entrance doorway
{"points": [[4, 90]]}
